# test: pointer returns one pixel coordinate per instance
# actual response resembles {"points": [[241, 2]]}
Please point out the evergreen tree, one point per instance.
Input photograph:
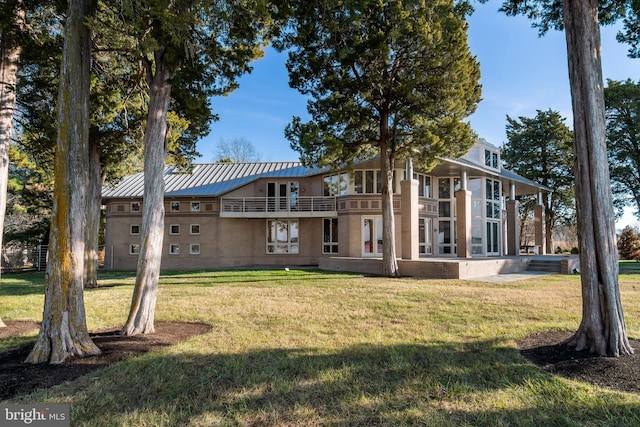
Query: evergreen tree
{"points": [[202, 46], [540, 148], [629, 244], [602, 330], [394, 79], [622, 103], [63, 331]]}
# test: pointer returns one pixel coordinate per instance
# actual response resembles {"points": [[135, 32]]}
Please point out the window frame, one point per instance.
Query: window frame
{"points": [[333, 243], [274, 241]]}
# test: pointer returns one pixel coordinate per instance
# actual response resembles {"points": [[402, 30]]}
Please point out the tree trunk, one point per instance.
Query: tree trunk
{"points": [[389, 259], [602, 330], [63, 332], [93, 217], [143, 304], [9, 56]]}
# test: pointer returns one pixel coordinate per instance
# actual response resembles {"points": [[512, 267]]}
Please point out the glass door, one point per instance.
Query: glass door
{"points": [[282, 196], [372, 237]]}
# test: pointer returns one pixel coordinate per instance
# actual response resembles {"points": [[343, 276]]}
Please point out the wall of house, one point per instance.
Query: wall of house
{"points": [[222, 242]]}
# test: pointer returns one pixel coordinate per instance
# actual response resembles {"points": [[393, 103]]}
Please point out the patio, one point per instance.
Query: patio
{"points": [[457, 268]]}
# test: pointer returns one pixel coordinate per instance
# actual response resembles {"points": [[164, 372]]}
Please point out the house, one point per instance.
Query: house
{"points": [[285, 214]]}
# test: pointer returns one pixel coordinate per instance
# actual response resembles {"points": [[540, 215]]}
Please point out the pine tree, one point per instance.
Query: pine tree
{"points": [[629, 244]]}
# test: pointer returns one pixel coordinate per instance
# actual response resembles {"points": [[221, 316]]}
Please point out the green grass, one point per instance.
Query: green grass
{"points": [[316, 348]]}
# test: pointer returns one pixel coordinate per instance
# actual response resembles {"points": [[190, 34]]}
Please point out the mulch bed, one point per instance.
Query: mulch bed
{"points": [[544, 350], [18, 378], [618, 373]]}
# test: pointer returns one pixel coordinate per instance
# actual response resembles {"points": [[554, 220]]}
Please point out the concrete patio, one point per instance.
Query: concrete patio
{"points": [[458, 268]]}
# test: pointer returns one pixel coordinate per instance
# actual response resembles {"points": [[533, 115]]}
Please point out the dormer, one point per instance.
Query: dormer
{"points": [[485, 154]]}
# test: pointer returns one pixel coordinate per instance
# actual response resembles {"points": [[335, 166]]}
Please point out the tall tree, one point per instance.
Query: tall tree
{"points": [[9, 56], [205, 45], [541, 149], [622, 103], [603, 329], [392, 78], [63, 332]]}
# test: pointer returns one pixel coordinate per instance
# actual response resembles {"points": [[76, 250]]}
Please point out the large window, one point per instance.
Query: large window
{"points": [[493, 206], [330, 235], [368, 182], [447, 188], [282, 236], [492, 195], [424, 184], [477, 218], [425, 245], [336, 185]]}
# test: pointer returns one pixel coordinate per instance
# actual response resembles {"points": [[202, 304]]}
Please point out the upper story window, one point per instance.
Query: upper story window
{"points": [[491, 159], [175, 206], [424, 184], [336, 185], [135, 206], [367, 182], [370, 182], [195, 206]]}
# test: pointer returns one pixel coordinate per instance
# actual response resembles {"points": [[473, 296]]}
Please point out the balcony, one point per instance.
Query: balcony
{"points": [[277, 207]]}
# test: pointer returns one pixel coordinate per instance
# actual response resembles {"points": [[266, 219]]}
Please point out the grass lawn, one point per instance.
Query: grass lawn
{"points": [[316, 348]]}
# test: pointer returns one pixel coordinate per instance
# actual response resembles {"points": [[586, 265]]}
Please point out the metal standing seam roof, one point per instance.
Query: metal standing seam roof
{"points": [[215, 179], [210, 179]]}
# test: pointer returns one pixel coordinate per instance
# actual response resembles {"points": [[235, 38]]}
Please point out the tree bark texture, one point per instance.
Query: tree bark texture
{"points": [[389, 259], [63, 332], [9, 56], [603, 329], [93, 217], [141, 314]]}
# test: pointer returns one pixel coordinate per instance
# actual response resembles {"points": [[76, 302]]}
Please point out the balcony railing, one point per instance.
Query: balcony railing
{"points": [[277, 207]]}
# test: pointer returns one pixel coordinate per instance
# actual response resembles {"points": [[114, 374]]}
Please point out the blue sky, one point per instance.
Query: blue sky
{"points": [[521, 73]]}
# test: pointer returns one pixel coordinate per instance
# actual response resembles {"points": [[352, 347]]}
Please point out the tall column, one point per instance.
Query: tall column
{"points": [[463, 218], [539, 225], [410, 225], [513, 227], [463, 223], [513, 222]]}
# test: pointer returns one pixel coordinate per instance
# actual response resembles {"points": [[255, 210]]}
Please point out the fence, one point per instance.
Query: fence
{"points": [[25, 258], [30, 258]]}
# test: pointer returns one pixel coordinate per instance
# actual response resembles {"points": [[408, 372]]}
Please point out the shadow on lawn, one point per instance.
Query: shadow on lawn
{"points": [[362, 385]]}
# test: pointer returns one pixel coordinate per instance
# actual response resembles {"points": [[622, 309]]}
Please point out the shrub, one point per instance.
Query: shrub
{"points": [[629, 244]]}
